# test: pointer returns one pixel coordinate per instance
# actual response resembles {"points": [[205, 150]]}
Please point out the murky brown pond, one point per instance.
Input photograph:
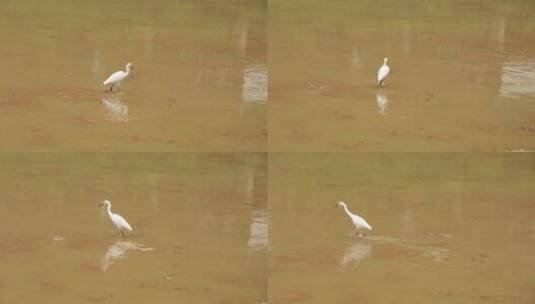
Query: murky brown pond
{"points": [[447, 228], [462, 75], [200, 228], [199, 84]]}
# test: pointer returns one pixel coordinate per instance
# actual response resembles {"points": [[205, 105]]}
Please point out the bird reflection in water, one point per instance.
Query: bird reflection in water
{"points": [[518, 79], [382, 102], [118, 251], [258, 237], [355, 254], [116, 110], [255, 83]]}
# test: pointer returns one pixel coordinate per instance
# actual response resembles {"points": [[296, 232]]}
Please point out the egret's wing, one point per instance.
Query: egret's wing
{"points": [[359, 221], [382, 73], [114, 77], [122, 222]]}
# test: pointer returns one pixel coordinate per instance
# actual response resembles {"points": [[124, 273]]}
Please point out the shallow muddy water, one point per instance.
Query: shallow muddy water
{"points": [[199, 220], [462, 75], [191, 88], [447, 228]]}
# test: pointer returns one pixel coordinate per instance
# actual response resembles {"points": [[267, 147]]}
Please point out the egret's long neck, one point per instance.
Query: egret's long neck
{"points": [[346, 210], [108, 208], [127, 70]]}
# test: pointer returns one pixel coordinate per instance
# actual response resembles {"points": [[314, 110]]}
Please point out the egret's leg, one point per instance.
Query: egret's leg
{"points": [[111, 87]]}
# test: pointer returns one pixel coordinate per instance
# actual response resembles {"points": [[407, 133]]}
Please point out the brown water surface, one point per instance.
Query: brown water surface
{"points": [[447, 228], [200, 228], [191, 90], [462, 75]]}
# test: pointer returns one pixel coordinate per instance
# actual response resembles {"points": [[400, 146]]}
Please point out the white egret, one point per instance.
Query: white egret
{"points": [[116, 78], [358, 221], [120, 223], [384, 70]]}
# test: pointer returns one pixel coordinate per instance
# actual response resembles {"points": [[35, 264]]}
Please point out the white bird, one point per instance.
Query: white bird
{"points": [[120, 223], [358, 221], [384, 70], [116, 78]]}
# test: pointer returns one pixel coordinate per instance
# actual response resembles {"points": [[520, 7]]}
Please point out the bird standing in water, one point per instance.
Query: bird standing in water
{"points": [[120, 223], [116, 78], [384, 70], [358, 221]]}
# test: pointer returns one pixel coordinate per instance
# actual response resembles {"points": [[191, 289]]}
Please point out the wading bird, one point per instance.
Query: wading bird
{"points": [[116, 78], [120, 223], [384, 70], [358, 221]]}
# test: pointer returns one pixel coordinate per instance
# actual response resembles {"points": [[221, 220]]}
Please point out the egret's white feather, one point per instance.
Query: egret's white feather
{"points": [[383, 72], [115, 77], [360, 222], [120, 222]]}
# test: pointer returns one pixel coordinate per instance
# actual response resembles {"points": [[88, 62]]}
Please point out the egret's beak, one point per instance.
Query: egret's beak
{"points": [[335, 205], [101, 205]]}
